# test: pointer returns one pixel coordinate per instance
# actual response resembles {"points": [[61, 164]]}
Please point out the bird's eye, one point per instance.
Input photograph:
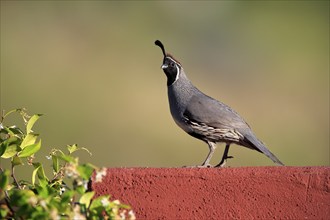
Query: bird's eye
{"points": [[172, 64]]}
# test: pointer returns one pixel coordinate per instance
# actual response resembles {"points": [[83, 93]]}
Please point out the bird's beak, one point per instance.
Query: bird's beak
{"points": [[164, 66]]}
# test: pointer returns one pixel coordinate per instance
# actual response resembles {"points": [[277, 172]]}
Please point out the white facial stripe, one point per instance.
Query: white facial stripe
{"points": [[177, 68], [177, 73], [174, 61]]}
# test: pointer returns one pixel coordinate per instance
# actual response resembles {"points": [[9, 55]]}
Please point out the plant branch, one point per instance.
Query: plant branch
{"points": [[59, 173], [7, 199], [14, 177]]}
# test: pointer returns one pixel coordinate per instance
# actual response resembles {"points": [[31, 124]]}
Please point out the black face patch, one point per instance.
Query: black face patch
{"points": [[172, 70]]}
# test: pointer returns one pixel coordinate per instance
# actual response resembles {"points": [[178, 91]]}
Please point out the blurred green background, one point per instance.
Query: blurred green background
{"points": [[94, 72]]}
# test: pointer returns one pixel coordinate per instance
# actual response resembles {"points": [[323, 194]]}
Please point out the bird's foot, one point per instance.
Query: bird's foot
{"points": [[220, 165], [223, 162]]}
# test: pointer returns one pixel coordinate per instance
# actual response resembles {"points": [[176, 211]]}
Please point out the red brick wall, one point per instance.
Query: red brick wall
{"points": [[225, 193]]}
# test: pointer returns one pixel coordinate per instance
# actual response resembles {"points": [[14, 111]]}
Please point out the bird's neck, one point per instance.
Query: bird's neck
{"points": [[180, 92]]}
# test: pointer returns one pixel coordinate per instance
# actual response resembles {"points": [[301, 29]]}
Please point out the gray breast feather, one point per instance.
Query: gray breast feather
{"points": [[204, 109]]}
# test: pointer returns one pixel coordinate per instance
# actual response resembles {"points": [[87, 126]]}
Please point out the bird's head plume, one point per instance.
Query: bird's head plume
{"points": [[170, 66]]}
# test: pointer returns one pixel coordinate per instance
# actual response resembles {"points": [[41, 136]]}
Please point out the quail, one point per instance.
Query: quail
{"points": [[205, 118]]}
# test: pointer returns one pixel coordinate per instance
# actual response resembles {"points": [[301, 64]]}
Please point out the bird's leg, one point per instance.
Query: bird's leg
{"points": [[224, 157], [212, 147]]}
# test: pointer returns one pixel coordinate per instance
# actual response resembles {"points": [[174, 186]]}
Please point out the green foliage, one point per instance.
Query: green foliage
{"points": [[64, 195]]}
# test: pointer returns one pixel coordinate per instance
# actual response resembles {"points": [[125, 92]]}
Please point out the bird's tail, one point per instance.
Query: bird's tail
{"points": [[255, 144]]}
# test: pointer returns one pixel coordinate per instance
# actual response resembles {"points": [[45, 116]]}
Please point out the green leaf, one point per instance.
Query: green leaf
{"points": [[4, 179], [85, 171], [96, 203], [66, 196], [30, 150], [16, 161], [16, 130], [28, 140], [40, 171], [80, 189], [11, 151], [12, 140], [4, 212], [3, 147], [74, 147], [43, 182], [43, 191], [56, 165], [8, 113], [12, 131], [67, 158], [19, 198], [31, 122], [86, 198], [34, 173]]}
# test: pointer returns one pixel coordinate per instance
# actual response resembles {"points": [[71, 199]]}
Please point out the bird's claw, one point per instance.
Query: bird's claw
{"points": [[223, 161]]}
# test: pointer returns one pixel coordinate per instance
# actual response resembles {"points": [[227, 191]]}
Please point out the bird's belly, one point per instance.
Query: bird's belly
{"points": [[179, 120]]}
